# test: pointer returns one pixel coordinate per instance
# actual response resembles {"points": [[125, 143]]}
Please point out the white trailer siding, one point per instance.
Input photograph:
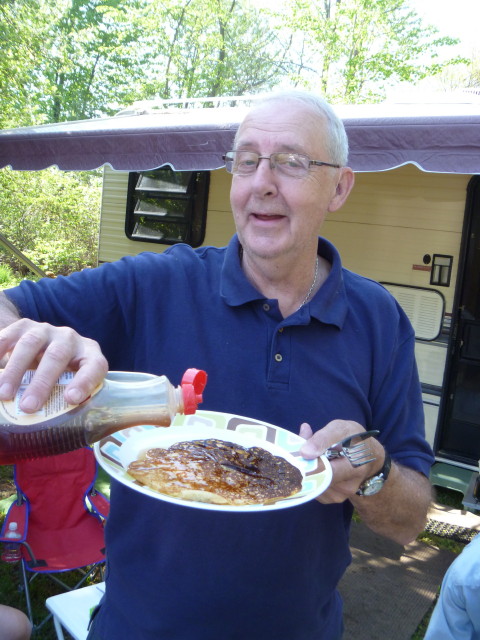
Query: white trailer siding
{"points": [[390, 222], [113, 243], [393, 218]]}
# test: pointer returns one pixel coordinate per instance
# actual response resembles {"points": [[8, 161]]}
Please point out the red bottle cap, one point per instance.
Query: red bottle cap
{"points": [[193, 383]]}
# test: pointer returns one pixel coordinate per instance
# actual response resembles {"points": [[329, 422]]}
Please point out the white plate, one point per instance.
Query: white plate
{"points": [[115, 453]]}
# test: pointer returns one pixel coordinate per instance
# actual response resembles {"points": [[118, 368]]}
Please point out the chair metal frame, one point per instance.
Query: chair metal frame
{"points": [[96, 507]]}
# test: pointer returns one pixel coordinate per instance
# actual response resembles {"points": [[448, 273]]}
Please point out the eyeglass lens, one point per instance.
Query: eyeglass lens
{"points": [[246, 162]]}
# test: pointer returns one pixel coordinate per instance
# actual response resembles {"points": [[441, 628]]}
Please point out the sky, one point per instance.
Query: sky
{"points": [[456, 18]]}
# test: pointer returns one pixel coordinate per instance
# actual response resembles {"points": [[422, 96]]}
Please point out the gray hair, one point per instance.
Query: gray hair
{"points": [[337, 141]]}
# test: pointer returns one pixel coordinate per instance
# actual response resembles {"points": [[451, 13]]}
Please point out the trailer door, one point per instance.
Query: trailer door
{"points": [[458, 437]]}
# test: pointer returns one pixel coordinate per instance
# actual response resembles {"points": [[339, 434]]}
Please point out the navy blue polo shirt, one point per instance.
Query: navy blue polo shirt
{"points": [[176, 573]]}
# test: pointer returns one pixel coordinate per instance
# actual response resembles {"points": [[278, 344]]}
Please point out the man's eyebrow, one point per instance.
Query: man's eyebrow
{"points": [[283, 148]]}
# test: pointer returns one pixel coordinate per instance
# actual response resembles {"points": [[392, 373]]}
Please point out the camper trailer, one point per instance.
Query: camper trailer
{"points": [[412, 223]]}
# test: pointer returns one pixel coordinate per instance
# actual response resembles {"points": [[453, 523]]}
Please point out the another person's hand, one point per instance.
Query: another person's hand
{"points": [[346, 478], [51, 351]]}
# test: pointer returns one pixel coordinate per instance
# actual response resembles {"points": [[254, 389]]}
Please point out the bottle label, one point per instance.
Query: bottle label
{"points": [[56, 404]]}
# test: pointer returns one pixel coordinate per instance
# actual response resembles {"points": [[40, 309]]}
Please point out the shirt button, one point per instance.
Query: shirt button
{"points": [[266, 307], [280, 330], [278, 357]]}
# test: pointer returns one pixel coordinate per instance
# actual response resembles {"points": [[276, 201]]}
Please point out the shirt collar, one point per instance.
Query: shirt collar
{"points": [[329, 305], [235, 288]]}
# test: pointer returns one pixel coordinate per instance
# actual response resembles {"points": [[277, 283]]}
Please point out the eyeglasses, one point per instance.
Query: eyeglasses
{"points": [[294, 165]]}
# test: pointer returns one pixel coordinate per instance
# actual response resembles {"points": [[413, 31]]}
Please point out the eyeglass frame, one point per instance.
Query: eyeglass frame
{"points": [[317, 163]]}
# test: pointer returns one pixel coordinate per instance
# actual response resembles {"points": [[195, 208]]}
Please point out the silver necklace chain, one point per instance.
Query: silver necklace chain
{"points": [[310, 291]]}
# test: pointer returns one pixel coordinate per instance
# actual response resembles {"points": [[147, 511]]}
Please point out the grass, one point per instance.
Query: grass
{"points": [[451, 499], [8, 278], [11, 587], [42, 588]]}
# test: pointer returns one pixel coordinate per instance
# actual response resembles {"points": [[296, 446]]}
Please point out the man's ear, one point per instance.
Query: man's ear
{"points": [[344, 186]]}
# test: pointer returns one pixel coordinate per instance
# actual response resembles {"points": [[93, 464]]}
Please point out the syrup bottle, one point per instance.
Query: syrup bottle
{"points": [[123, 400]]}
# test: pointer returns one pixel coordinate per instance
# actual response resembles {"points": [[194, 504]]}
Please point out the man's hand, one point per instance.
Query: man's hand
{"points": [[346, 479], [398, 510], [50, 350]]}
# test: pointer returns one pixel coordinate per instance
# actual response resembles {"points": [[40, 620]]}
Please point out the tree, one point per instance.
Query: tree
{"points": [[88, 58], [23, 27], [75, 59], [358, 47], [95, 60], [464, 77], [91, 57], [52, 217], [210, 48]]}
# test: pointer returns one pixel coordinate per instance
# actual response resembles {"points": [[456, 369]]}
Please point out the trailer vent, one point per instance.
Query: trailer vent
{"points": [[425, 308]]}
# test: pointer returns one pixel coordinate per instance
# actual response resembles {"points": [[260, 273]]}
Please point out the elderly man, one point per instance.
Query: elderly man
{"points": [[14, 624], [287, 336]]}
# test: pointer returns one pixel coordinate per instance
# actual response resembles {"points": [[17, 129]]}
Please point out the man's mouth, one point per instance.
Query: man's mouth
{"points": [[267, 216]]}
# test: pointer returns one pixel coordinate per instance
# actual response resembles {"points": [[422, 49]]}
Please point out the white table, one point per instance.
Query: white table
{"points": [[71, 610]]}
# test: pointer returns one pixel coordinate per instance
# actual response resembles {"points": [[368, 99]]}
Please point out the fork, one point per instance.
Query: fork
{"points": [[357, 454]]}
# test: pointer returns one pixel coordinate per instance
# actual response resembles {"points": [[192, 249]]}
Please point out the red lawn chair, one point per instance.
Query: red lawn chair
{"points": [[60, 517]]}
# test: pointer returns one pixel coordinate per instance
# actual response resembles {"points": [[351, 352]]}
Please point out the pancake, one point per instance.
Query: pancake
{"points": [[218, 472]]}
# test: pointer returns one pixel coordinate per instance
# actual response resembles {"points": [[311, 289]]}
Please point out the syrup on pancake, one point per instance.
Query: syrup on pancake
{"points": [[218, 472]]}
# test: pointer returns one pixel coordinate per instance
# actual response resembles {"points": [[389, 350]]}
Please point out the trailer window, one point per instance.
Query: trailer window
{"points": [[167, 206]]}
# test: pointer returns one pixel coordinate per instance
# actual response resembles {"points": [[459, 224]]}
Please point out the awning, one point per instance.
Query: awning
{"points": [[443, 138], [439, 138]]}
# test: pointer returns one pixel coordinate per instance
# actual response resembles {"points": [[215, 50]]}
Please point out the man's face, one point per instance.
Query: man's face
{"points": [[276, 214]]}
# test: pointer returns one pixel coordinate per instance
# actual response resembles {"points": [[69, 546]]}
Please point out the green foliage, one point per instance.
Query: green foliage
{"points": [[441, 542], [9, 277], [75, 59], [94, 59], [88, 58], [59, 256], [6, 276], [23, 28], [359, 47], [212, 48], [52, 217]]}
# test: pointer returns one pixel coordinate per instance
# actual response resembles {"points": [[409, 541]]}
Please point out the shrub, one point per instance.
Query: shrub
{"points": [[7, 277], [52, 216]]}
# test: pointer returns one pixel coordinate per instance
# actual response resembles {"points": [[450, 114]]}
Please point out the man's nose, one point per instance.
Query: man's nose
{"points": [[265, 177]]}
